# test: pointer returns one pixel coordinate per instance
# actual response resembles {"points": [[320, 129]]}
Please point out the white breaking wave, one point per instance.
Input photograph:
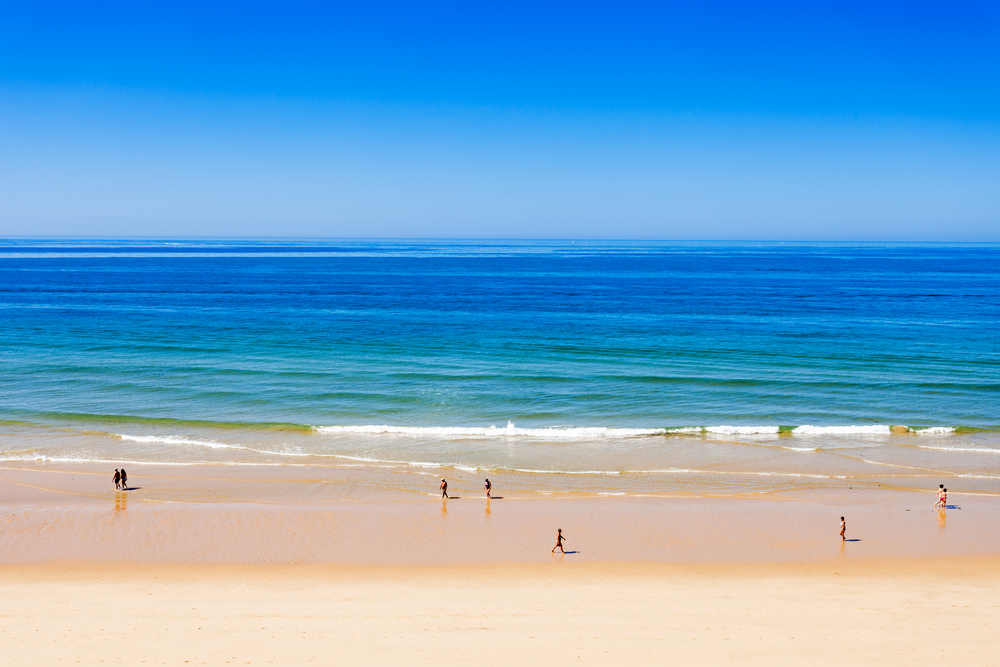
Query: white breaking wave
{"points": [[174, 440], [875, 429], [588, 432], [725, 430], [872, 429], [495, 431]]}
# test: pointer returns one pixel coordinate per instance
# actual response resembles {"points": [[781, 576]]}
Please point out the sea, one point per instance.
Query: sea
{"points": [[553, 367]]}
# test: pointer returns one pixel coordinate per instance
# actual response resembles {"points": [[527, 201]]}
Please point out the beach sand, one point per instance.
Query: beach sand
{"points": [[885, 612], [184, 572]]}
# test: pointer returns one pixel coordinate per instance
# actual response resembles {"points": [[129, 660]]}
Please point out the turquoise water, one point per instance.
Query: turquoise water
{"points": [[485, 354]]}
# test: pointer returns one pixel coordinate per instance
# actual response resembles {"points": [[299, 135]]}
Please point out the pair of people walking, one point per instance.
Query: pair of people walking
{"points": [[942, 497], [121, 479], [444, 489]]}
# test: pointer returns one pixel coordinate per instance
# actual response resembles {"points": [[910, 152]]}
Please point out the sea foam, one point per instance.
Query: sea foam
{"points": [[495, 431], [873, 429]]}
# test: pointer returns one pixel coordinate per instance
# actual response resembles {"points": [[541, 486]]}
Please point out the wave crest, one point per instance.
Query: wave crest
{"points": [[496, 431]]}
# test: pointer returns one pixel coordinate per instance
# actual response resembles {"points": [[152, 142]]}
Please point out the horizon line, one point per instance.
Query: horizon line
{"points": [[44, 237]]}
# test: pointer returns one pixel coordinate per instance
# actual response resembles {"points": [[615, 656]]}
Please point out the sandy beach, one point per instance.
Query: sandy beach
{"points": [[188, 568], [886, 612]]}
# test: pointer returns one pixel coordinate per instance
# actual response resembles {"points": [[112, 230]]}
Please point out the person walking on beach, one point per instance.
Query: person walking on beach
{"points": [[942, 496], [488, 486], [444, 488], [124, 480], [843, 529], [559, 542], [117, 478]]}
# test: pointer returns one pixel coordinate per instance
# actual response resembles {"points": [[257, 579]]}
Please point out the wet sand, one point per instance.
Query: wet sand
{"points": [[256, 515], [247, 568]]}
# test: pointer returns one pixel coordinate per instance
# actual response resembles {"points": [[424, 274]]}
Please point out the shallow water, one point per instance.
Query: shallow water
{"points": [[637, 368]]}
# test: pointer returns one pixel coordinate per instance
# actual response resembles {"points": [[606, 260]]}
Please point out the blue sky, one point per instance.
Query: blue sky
{"points": [[712, 120]]}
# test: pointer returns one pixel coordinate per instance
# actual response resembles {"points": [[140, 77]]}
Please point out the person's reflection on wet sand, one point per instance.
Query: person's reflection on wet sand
{"points": [[488, 511], [121, 501], [444, 507], [942, 518]]}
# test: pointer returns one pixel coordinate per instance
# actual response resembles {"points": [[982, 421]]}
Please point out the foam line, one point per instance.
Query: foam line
{"points": [[726, 430], [874, 429], [978, 450], [173, 440], [495, 431]]}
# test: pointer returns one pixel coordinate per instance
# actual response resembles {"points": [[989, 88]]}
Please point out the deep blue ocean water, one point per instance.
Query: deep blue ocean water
{"points": [[470, 333]]}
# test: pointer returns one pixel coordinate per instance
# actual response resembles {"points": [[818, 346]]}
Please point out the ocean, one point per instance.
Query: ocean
{"points": [[636, 368]]}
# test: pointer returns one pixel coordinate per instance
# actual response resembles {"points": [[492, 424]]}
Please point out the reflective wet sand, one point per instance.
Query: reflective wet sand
{"points": [[282, 514]]}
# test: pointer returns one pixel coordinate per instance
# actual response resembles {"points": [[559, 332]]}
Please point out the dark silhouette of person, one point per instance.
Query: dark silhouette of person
{"points": [[559, 542]]}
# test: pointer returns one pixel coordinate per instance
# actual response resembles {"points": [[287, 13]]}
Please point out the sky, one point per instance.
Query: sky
{"points": [[847, 120]]}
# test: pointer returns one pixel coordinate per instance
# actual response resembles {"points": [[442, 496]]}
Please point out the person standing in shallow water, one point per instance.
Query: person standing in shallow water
{"points": [[444, 488], [117, 478], [124, 480], [488, 486]]}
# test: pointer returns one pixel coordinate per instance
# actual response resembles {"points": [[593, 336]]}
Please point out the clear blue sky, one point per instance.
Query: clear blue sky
{"points": [[694, 120]]}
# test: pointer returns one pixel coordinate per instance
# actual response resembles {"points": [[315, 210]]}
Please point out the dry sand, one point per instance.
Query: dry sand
{"points": [[88, 576], [888, 612]]}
